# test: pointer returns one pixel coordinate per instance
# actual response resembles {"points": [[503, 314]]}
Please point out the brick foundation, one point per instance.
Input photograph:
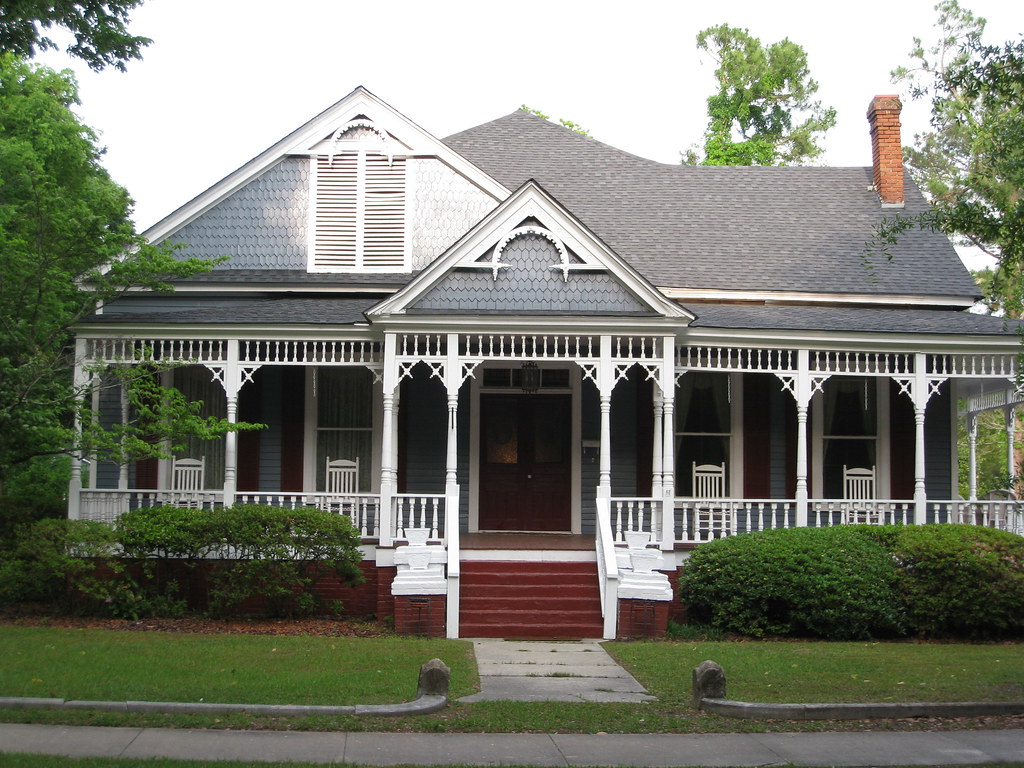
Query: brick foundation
{"points": [[420, 614], [642, 618]]}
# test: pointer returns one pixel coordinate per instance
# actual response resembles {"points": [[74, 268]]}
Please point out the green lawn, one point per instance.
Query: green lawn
{"points": [[109, 665], [102, 665], [795, 672]]}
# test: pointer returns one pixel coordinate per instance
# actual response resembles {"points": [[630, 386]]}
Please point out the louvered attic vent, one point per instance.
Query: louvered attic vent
{"points": [[359, 222]]}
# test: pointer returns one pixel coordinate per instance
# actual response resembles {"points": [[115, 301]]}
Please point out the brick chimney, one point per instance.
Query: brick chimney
{"points": [[887, 149]]}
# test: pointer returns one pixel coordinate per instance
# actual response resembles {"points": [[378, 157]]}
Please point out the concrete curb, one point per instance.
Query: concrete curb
{"points": [[423, 705], [755, 711], [431, 696]]}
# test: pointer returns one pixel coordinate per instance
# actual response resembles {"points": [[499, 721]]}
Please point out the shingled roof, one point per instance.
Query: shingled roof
{"points": [[801, 229]]}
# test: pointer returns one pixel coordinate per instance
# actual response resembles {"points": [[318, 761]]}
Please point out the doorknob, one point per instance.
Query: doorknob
{"points": [[529, 477]]}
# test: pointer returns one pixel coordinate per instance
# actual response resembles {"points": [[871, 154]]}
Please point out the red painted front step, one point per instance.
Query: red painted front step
{"points": [[529, 599]]}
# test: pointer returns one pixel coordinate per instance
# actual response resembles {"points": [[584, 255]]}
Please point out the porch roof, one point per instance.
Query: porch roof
{"points": [[284, 309], [871, 320]]}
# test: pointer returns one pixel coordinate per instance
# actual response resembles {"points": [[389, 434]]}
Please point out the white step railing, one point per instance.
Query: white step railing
{"points": [[418, 510]]}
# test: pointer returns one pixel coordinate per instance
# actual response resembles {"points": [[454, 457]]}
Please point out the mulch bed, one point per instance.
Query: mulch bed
{"points": [[318, 626]]}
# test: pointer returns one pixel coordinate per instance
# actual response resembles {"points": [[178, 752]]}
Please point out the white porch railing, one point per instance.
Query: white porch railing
{"points": [[418, 510], [107, 505], [700, 520], [363, 509], [825, 512], [1004, 515]]}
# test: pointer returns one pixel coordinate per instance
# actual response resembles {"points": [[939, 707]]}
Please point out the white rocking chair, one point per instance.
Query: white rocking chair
{"points": [[859, 488], [858, 483], [708, 481], [342, 476], [711, 520], [188, 474]]}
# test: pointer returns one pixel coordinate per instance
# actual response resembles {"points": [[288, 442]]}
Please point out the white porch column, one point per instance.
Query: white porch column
{"points": [[388, 423], [972, 456], [1011, 436], [232, 383], [80, 380], [453, 383], [122, 470], [803, 393], [657, 460], [667, 385], [606, 383]]}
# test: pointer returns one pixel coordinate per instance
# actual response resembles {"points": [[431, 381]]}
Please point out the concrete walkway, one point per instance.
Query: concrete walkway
{"points": [[715, 749], [519, 670]]}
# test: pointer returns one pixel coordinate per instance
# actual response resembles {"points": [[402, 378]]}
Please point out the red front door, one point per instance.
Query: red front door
{"points": [[525, 462]]}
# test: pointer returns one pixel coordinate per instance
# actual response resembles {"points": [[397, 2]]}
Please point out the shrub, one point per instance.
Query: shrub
{"points": [[146, 564], [833, 583], [961, 580], [61, 562], [278, 554]]}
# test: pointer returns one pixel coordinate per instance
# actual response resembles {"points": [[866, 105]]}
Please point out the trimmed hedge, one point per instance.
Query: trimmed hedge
{"points": [[832, 583], [961, 580], [853, 582], [147, 562]]}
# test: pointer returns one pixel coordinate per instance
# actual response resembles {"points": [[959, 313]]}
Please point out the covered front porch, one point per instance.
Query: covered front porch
{"points": [[646, 443]]}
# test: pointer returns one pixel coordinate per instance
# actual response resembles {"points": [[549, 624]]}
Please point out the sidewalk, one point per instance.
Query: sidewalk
{"points": [[715, 749], [513, 670]]}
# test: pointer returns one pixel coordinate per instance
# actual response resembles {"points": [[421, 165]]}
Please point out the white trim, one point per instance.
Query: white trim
{"points": [[782, 298]]}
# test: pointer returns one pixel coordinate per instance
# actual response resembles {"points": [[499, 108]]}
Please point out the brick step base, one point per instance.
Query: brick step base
{"points": [[530, 599]]}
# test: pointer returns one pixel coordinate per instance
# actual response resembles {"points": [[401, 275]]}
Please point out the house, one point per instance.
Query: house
{"points": [[536, 371]]}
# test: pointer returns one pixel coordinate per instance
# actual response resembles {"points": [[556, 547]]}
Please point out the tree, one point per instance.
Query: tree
{"points": [[99, 28], [971, 164], [762, 113], [66, 244], [574, 127]]}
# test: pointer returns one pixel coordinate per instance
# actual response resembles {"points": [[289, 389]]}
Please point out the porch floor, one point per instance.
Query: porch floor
{"points": [[526, 540]]}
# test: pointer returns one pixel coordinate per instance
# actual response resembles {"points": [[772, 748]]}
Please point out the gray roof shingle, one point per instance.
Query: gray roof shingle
{"points": [[721, 228]]}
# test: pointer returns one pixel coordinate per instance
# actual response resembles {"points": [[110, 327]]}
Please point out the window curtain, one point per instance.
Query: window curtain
{"points": [[196, 383], [344, 406]]}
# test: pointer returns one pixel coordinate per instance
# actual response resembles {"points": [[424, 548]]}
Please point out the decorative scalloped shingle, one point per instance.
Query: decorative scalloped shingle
{"points": [[261, 226], [443, 206], [529, 284]]}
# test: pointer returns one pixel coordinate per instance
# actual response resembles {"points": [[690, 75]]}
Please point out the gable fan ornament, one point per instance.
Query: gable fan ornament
{"points": [[368, 125]]}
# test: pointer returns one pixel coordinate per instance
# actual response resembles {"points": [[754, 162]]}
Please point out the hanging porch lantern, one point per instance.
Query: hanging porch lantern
{"points": [[530, 381]]}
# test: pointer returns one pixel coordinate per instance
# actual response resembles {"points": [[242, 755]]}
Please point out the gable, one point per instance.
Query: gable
{"points": [[529, 278], [357, 189], [530, 256]]}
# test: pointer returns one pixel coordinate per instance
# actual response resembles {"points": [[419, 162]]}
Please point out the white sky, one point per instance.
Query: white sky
{"points": [[225, 79]]}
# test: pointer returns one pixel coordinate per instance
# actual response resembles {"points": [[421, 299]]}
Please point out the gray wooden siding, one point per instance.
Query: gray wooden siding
{"points": [[270, 438], [937, 439]]}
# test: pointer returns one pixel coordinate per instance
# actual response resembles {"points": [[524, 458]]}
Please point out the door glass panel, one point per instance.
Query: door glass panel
{"points": [[549, 433], [502, 433]]}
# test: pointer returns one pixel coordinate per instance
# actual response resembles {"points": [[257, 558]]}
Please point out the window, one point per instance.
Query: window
{"points": [[344, 420], [849, 430], [359, 220], [703, 425], [194, 383]]}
